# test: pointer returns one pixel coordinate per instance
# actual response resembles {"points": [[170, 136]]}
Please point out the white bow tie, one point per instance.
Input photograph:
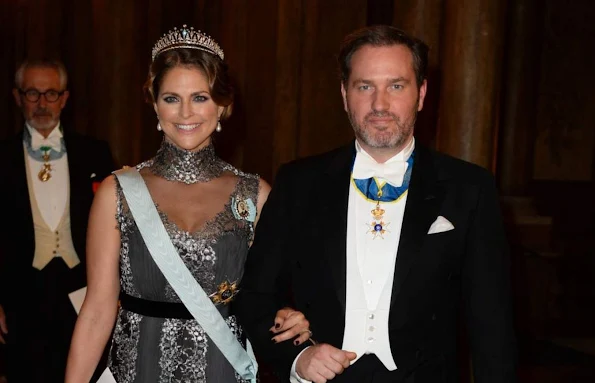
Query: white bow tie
{"points": [[392, 172], [52, 141]]}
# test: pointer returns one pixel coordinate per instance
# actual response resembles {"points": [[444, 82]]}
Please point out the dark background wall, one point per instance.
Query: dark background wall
{"points": [[281, 53], [510, 88]]}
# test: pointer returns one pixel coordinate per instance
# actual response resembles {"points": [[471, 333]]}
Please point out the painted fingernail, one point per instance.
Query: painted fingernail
{"points": [[296, 342], [277, 325], [274, 340]]}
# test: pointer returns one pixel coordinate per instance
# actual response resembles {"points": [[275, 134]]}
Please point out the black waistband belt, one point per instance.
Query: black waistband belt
{"points": [[154, 308]]}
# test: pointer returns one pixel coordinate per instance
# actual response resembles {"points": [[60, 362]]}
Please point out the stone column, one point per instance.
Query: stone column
{"points": [[471, 56], [423, 19], [519, 98]]}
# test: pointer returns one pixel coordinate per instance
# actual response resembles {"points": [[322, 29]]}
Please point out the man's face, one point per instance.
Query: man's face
{"points": [[381, 96], [42, 115]]}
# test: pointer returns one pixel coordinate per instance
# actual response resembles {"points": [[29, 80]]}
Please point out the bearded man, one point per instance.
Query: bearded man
{"points": [[378, 242]]}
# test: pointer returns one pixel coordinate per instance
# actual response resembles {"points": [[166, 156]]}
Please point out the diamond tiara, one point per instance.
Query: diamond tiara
{"points": [[186, 38]]}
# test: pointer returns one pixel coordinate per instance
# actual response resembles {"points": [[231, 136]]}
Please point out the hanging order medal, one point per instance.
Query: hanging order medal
{"points": [[378, 227], [46, 171], [376, 192]]}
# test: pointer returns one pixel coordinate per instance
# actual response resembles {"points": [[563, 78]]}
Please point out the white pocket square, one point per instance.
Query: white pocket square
{"points": [[440, 225]]}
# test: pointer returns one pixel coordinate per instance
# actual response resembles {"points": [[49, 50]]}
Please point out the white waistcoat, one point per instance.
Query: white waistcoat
{"points": [[48, 243]]}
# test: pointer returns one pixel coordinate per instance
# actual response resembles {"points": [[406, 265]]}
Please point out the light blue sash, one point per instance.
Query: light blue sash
{"points": [[179, 277]]}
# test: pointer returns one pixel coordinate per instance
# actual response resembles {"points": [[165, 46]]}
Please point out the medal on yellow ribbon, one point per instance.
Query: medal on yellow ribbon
{"points": [[378, 227]]}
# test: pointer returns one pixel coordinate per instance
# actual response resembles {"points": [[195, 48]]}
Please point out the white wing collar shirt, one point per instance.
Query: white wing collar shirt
{"points": [[50, 195], [371, 256]]}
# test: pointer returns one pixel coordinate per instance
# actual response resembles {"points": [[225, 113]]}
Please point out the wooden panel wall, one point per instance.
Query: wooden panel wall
{"points": [[424, 19], [281, 54]]}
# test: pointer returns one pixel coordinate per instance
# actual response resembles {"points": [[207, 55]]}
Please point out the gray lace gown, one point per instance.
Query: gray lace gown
{"points": [[151, 349]]}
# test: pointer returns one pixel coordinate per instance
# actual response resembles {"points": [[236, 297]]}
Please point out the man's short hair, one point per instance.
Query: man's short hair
{"points": [[381, 36], [41, 63]]}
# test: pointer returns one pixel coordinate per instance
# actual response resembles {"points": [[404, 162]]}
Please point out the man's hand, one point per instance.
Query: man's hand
{"points": [[3, 328], [322, 362]]}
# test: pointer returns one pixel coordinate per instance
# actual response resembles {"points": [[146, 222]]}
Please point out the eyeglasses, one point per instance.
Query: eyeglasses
{"points": [[33, 95]]}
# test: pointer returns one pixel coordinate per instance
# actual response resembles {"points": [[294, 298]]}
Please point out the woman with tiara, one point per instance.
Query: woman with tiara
{"points": [[205, 211]]}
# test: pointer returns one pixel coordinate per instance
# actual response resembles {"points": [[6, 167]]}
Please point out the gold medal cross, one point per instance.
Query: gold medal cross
{"points": [[46, 172], [378, 226]]}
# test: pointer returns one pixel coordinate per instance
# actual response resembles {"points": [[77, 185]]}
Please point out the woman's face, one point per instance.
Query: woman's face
{"points": [[187, 113]]}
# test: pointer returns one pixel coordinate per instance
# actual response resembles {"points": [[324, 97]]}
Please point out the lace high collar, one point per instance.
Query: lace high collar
{"points": [[175, 164]]}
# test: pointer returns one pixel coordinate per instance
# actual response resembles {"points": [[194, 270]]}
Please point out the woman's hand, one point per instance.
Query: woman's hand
{"points": [[289, 324]]}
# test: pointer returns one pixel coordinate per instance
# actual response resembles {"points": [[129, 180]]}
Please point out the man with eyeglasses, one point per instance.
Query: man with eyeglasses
{"points": [[49, 174]]}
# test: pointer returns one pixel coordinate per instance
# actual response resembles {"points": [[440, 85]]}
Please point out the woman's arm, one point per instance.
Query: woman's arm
{"points": [[98, 313]]}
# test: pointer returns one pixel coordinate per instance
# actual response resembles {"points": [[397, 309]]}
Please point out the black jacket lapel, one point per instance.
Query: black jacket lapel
{"points": [[335, 242], [22, 191], [20, 172], [424, 200]]}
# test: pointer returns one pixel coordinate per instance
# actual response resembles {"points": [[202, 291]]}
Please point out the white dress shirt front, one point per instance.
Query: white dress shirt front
{"points": [[370, 270], [50, 195]]}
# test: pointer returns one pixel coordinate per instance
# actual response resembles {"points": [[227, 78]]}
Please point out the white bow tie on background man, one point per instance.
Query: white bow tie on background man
{"points": [[53, 141], [391, 171]]}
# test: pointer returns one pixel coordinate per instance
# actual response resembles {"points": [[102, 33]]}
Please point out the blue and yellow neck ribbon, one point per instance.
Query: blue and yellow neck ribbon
{"points": [[376, 191]]}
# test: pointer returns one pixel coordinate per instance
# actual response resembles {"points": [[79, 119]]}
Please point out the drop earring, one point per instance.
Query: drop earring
{"points": [[218, 128], [159, 129]]}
